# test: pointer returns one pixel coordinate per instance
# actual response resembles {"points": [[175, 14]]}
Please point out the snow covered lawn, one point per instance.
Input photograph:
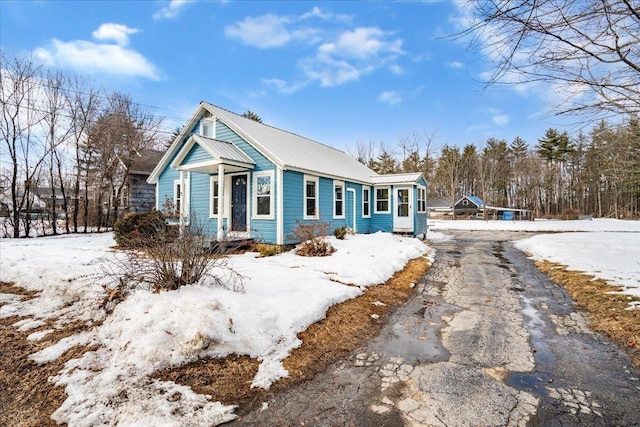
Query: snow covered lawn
{"points": [[608, 249], [147, 332]]}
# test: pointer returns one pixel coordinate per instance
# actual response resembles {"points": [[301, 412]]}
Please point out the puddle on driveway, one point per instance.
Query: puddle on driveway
{"points": [[534, 382]]}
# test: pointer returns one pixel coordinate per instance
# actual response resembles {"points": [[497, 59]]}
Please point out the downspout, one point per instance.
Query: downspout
{"points": [[353, 192]]}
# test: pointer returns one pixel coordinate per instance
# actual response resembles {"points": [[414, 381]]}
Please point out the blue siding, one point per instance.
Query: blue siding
{"points": [[264, 230], [293, 197], [197, 154], [165, 186], [294, 205]]}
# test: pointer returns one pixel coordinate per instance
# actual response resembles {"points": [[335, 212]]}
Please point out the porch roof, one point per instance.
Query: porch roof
{"points": [[398, 178], [221, 152]]}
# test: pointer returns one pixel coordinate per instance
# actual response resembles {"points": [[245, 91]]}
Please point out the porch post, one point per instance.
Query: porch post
{"points": [[220, 233]]}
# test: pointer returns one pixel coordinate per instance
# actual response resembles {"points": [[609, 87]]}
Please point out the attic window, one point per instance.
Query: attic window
{"points": [[207, 128], [465, 202]]}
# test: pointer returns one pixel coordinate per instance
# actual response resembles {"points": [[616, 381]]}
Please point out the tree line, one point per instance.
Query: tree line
{"points": [[67, 147], [595, 173]]}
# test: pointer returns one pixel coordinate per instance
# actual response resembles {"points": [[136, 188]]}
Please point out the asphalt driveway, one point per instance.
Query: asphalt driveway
{"points": [[487, 340]]}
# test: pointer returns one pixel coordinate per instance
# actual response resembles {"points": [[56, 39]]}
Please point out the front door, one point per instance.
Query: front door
{"points": [[403, 212], [239, 203]]}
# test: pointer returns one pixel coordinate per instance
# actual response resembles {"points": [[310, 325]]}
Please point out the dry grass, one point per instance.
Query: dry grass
{"points": [[606, 310], [345, 327], [27, 398]]}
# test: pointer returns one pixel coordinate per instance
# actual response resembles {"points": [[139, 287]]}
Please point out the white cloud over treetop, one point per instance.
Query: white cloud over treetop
{"points": [[107, 58]]}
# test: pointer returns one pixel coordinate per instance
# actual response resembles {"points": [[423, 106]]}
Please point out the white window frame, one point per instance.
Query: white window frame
{"points": [[212, 122], [367, 189], [388, 199], [338, 184], [316, 180], [176, 197], [422, 199], [213, 202], [271, 176]]}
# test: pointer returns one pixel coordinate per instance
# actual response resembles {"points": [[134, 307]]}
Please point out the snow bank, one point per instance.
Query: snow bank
{"points": [[539, 225], [283, 295], [614, 257]]}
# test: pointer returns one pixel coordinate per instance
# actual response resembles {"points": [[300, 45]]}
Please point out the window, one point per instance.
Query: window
{"points": [[214, 197], [181, 198], [207, 128], [311, 197], [382, 200], [263, 202], [366, 207], [338, 199], [422, 199]]}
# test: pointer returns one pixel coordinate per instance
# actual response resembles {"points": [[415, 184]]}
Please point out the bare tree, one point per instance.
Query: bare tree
{"points": [[118, 136], [588, 49], [21, 117], [83, 105], [57, 126]]}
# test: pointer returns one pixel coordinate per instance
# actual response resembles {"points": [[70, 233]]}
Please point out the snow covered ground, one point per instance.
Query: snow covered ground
{"points": [[283, 295], [539, 225], [608, 249]]}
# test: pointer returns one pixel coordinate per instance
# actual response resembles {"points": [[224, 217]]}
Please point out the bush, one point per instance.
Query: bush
{"points": [[266, 250], [313, 238], [168, 262], [340, 232], [137, 230]]}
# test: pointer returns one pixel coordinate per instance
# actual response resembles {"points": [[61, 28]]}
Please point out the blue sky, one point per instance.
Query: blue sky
{"points": [[337, 72]]}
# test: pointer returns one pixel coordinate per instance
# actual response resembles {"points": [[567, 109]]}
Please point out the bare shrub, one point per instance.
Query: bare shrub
{"points": [[168, 261], [313, 238]]}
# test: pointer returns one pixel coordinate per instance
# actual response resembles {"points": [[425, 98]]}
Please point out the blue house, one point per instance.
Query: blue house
{"points": [[241, 179]]}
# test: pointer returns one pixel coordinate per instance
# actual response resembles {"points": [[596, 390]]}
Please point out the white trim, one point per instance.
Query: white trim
{"points": [[185, 191], [280, 198], [228, 191], [208, 120], [338, 184], [271, 176], [388, 199], [368, 189], [316, 214], [422, 199], [353, 209], [403, 223], [213, 184]]}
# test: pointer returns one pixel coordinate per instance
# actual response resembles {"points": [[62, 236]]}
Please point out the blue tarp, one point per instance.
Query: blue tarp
{"points": [[507, 215]]}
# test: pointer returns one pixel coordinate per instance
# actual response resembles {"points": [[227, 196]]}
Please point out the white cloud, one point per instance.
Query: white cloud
{"points": [[455, 64], [107, 58], [352, 54], [500, 119], [316, 12], [396, 69], [284, 87], [390, 97], [263, 32], [114, 32], [361, 43], [172, 10], [340, 57]]}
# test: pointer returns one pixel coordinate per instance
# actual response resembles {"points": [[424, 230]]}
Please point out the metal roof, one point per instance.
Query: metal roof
{"points": [[222, 150], [293, 151], [398, 178]]}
